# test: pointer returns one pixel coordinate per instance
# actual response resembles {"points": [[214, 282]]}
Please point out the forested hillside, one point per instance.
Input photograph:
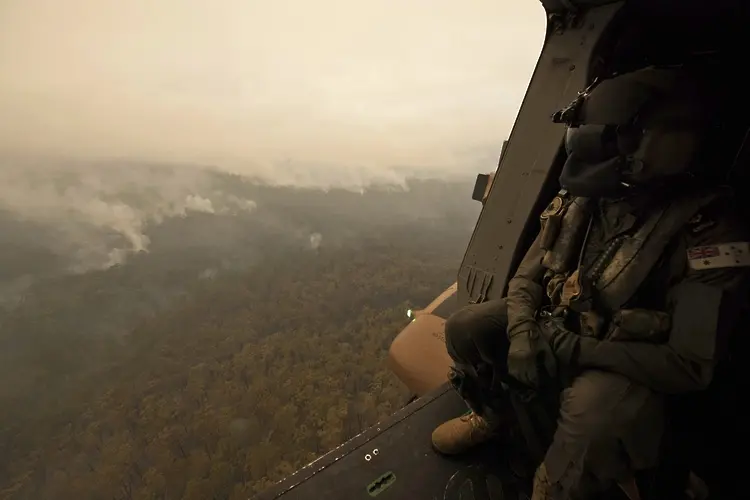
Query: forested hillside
{"points": [[237, 348]]}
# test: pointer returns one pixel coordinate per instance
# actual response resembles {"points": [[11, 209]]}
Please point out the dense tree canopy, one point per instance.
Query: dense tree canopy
{"points": [[234, 382]]}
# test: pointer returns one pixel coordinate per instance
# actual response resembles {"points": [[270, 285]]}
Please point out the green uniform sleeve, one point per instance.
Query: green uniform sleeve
{"points": [[525, 292], [705, 303]]}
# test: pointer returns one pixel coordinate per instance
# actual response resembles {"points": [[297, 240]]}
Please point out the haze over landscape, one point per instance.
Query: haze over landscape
{"points": [[252, 84], [213, 213]]}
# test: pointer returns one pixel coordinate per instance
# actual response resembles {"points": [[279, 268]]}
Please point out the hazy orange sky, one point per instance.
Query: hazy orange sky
{"points": [[239, 81]]}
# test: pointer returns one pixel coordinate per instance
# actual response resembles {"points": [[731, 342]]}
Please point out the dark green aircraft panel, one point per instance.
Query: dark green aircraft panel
{"points": [[394, 461], [526, 165]]}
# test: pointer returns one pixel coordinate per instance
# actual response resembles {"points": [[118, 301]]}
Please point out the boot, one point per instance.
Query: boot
{"points": [[460, 434], [542, 486]]}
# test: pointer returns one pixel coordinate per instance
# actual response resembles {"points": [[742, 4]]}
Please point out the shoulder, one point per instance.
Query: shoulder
{"points": [[716, 237], [720, 221]]}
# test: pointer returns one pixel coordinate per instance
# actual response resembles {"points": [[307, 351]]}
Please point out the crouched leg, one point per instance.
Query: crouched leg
{"points": [[608, 428], [476, 340]]}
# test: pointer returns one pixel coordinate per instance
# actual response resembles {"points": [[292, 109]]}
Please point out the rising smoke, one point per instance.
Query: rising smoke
{"points": [[100, 215], [367, 97]]}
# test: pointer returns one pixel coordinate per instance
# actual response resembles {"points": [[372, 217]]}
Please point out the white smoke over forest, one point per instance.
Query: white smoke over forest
{"points": [[187, 186], [326, 94], [101, 214]]}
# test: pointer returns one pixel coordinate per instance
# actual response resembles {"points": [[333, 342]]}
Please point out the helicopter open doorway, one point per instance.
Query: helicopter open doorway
{"points": [[393, 459], [417, 355]]}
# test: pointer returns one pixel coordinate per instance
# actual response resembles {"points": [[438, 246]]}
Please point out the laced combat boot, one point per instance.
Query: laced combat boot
{"points": [[462, 433]]}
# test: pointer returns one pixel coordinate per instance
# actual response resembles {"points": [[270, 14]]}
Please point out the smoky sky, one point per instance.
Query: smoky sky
{"points": [[256, 84]]}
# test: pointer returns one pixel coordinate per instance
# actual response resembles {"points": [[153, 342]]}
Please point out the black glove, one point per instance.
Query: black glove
{"points": [[528, 356], [565, 345]]}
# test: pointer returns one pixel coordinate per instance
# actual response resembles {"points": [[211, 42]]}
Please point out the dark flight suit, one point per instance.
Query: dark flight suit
{"points": [[611, 415]]}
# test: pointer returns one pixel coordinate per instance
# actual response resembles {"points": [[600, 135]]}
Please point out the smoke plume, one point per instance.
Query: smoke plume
{"points": [[101, 214]]}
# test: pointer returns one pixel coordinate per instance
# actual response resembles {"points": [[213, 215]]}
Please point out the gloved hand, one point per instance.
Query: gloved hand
{"points": [[530, 354], [564, 344]]}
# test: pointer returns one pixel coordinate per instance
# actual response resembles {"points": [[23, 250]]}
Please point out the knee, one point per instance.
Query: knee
{"points": [[459, 329], [471, 333], [466, 328], [459, 323]]}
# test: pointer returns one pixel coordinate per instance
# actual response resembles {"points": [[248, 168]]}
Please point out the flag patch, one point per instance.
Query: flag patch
{"points": [[698, 253], [735, 254]]}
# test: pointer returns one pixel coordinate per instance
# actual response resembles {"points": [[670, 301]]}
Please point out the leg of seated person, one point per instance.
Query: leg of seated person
{"points": [[608, 428], [476, 340]]}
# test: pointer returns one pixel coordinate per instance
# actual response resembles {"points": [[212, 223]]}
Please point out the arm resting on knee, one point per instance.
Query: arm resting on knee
{"points": [[704, 311], [706, 301], [525, 291]]}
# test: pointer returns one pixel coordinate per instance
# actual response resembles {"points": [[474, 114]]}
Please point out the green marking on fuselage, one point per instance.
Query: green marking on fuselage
{"points": [[381, 484]]}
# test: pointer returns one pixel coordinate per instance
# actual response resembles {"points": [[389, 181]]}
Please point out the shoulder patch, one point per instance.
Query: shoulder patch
{"points": [[700, 223], [736, 254]]}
